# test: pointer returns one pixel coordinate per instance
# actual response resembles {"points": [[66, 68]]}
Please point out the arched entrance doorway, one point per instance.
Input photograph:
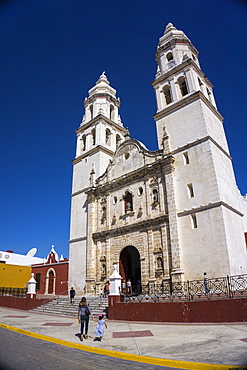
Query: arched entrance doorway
{"points": [[50, 282], [130, 268]]}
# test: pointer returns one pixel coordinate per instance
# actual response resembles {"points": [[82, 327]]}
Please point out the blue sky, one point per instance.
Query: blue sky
{"points": [[52, 53]]}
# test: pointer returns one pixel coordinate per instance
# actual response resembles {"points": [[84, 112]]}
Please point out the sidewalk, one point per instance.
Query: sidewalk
{"points": [[205, 343]]}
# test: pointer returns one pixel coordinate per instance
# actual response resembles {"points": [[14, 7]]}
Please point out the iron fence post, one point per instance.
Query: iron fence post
{"points": [[229, 291]]}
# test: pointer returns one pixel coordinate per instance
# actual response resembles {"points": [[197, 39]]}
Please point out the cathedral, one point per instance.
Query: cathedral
{"points": [[164, 215]]}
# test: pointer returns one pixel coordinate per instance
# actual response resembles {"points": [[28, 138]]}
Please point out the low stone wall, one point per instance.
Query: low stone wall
{"points": [[20, 303], [212, 311]]}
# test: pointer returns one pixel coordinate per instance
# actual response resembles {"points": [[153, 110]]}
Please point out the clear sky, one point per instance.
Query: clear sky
{"points": [[52, 53]]}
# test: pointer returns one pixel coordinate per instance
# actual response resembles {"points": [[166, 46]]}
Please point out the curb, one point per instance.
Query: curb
{"points": [[126, 356]]}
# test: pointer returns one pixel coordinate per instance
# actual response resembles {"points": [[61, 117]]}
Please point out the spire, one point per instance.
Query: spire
{"points": [[102, 100], [173, 49], [103, 79], [169, 28]]}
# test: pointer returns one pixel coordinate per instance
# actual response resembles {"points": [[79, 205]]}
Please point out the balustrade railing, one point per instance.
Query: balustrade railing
{"points": [[14, 292], [222, 287]]}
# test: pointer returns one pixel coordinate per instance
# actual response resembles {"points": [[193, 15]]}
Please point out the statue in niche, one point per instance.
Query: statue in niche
{"points": [[103, 269], [103, 215], [159, 263], [155, 196]]}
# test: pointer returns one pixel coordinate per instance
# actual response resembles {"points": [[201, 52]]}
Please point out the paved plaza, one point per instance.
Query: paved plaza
{"points": [[188, 346]]}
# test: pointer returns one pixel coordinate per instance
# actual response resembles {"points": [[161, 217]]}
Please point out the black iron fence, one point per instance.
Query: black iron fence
{"points": [[13, 292], [223, 287]]}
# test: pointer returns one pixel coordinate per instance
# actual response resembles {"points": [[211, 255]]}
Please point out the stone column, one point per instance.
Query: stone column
{"points": [[175, 251], [91, 248], [174, 92], [190, 82]]}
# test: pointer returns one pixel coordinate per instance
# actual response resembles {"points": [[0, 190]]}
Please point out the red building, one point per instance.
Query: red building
{"points": [[52, 275]]}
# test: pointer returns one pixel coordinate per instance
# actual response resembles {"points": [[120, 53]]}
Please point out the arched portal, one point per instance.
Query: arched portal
{"points": [[130, 268], [51, 282]]}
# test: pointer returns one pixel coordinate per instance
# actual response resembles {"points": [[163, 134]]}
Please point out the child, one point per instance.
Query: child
{"points": [[100, 328]]}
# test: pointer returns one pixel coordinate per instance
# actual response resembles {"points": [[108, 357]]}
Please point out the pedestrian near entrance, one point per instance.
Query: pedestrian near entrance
{"points": [[72, 295], [100, 328], [206, 283], [129, 286], [84, 312], [106, 288], [123, 287]]}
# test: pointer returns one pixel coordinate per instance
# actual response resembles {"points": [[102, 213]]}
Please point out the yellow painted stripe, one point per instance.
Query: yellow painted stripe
{"points": [[127, 356]]}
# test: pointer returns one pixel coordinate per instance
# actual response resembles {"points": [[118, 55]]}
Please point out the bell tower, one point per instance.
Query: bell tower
{"points": [[206, 198], [99, 134]]}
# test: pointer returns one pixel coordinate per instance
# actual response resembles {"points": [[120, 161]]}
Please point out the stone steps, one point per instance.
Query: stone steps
{"points": [[62, 306]]}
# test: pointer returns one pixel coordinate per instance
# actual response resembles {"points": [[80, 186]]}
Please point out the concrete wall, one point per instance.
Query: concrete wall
{"points": [[14, 276], [225, 310], [20, 303]]}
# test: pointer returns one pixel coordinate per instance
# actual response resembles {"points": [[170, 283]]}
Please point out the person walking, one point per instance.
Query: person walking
{"points": [[129, 287], [84, 312], [206, 283], [100, 328], [106, 288], [72, 295]]}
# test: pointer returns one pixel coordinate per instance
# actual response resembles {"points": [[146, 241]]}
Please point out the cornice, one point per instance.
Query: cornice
{"points": [[187, 99], [211, 205], [106, 95], [164, 164], [98, 118], [178, 68], [199, 141], [169, 44], [77, 239], [50, 264], [145, 224], [94, 150]]}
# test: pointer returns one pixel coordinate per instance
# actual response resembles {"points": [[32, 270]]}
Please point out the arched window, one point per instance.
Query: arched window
{"points": [[167, 94], [200, 84], [112, 112], [128, 202], [93, 132], [107, 136], [182, 86], [51, 282], [140, 191], [190, 190], [83, 142], [169, 56], [194, 221], [209, 95], [91, 111], [186, 158]]}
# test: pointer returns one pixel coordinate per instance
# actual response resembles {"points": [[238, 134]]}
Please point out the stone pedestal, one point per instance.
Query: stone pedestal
{"points": [[115, 282], [32, 287]]}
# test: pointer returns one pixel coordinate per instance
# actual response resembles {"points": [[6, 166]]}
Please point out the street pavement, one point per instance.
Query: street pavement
{"points": [[184, 346]]}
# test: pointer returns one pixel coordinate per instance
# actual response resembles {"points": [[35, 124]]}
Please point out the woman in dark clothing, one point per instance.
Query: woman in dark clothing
{"points": [[83, 317]]}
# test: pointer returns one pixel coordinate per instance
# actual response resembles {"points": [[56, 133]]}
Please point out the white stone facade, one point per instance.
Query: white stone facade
{"points": [[169, 214]]}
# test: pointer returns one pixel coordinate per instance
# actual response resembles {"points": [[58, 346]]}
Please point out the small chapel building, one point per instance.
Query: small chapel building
{"points": [[51, 275], [164, 215]]}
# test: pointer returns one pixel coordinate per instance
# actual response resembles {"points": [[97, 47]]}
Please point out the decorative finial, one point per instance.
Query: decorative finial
{"points": [[127, 134], [103, 78], [169, 27]]}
